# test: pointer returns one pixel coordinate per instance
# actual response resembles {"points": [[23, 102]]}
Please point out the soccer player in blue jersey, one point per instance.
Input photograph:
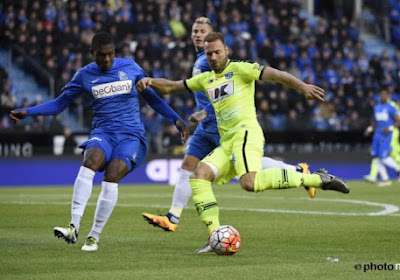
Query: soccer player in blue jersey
{"points": [[385, 119], [205, 139], [117, 142]]}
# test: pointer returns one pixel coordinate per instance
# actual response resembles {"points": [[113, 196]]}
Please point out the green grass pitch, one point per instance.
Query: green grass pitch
{"points": [[285, 235]]}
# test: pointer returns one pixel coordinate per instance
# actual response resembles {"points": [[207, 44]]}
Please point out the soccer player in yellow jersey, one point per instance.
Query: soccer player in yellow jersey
{"points": [[230, 86]]}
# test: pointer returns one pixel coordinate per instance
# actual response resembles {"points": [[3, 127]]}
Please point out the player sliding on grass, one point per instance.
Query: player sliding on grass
{"points": [[230, 87], [205, 139], [117, 141]]}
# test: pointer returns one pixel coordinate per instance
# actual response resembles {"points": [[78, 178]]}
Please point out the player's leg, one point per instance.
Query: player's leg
{"points": [[383, 174], [201, 144], [395, 145], [373, 174], [303, 167], [94, 159], [247, 150], [384, 160], [390, 162], [217, 167], [181, 195], [276, 178], [115, 171], [127, 154], [183, 191]]}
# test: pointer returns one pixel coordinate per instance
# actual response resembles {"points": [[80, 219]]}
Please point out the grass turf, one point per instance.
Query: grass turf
{"points": [[285, 235]]}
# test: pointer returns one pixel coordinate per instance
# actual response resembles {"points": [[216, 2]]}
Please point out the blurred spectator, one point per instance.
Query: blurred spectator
{"points": [[56, 125], [171, 141], [70, 143], [327, 51]]}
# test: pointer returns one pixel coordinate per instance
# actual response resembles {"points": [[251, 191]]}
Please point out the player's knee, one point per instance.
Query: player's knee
{"points": [[247, 186], [115, 171], [112, 176], [91, 164], [190, 163], [203, 172], [247, 182], [94, 158]]}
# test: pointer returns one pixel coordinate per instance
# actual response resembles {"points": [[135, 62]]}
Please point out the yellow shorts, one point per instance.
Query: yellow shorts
{"points": [[238, 155]]}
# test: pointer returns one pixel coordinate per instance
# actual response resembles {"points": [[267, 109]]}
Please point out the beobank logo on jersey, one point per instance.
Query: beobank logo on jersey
{"points": [[110, 89]]}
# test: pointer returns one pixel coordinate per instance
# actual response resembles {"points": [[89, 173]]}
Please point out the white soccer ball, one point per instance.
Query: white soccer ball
{"points": [[225, 240]]}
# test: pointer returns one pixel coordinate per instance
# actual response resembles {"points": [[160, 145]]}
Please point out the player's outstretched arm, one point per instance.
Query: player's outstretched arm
{"points": [[52, 107], [162, 86], [285, 78]]}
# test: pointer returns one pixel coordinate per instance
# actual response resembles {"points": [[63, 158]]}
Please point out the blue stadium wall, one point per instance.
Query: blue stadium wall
{"points": [[62, 171], [36, 159]]}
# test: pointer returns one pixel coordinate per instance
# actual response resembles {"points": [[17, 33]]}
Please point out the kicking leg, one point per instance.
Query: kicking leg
{"points": [[301, 167]]}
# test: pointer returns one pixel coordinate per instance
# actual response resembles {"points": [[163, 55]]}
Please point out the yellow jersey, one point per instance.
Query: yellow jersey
{"points": [[231, 93]]}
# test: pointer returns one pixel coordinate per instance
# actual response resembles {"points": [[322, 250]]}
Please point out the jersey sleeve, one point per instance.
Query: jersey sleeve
{"points": [[68, 93], [140, 72], [160, 106], [75, 87], [250, 71], [195, 83]]}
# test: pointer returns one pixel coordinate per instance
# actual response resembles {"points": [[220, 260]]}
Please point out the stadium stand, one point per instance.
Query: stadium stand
{"points": [[327, 49]]}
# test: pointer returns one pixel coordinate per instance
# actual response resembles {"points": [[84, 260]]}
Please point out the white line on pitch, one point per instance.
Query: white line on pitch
{"points": [[389, 209]]}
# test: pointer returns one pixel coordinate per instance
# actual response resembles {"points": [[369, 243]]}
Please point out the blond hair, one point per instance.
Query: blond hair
{"points": [[203, 20]]}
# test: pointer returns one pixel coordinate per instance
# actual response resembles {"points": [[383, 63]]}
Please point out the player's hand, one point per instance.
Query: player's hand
{"points": [[143, 84], [368, 131], [183, 129], [313, 92], [387, 130], [198, 116], [17, 115]]}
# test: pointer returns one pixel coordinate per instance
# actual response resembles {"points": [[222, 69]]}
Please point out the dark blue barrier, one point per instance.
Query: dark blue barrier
{"points": [[62, 171]]}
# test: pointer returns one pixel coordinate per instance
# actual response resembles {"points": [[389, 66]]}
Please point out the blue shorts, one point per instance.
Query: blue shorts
{"points": [[202, 143], [127, 147], [381, 147]]}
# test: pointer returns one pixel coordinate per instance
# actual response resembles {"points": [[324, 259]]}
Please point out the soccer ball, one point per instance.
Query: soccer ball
{"points": [[225, 240]]}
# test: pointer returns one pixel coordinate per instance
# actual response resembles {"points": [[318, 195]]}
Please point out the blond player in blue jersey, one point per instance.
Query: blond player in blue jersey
{"points": [[230, 87]]}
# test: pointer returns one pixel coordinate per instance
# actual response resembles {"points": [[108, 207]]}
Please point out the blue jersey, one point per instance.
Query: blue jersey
{"points": [[209, 124], [112, 96], [384, 115]]}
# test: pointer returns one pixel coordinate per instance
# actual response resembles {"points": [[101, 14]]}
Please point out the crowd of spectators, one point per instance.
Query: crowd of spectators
{"points": [[326, 51]]}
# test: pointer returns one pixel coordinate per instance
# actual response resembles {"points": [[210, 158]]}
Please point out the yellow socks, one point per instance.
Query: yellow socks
{"points": [[374, 169], [277, 178], [205, 202]]}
